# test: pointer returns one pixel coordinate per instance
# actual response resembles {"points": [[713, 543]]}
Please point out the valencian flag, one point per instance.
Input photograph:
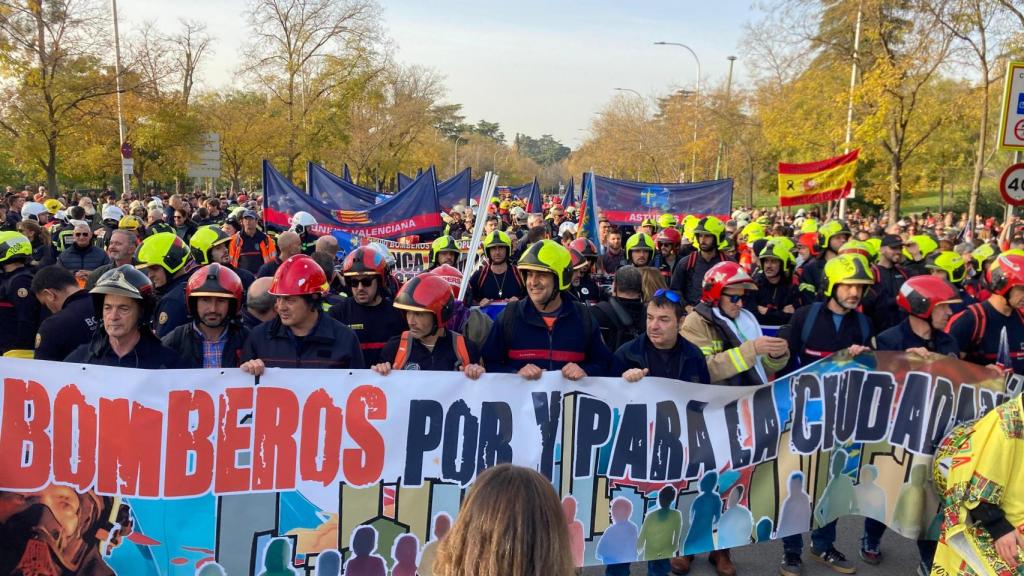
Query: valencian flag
{"points": [[414, 211], [813, 182], [628, 203], [335, 191], [588, 214]]}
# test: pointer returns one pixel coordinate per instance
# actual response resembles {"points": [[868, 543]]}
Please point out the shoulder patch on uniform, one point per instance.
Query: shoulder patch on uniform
{"points": [[163, 318], [22, 292]]}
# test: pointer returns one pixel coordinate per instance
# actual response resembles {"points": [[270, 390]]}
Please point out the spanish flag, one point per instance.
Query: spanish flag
{"points": [[814, 182]]}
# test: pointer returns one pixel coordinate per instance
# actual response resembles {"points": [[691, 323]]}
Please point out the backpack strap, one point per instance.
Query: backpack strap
{"points": [[620, 316], [812, 317], [691, 261], [461, 350], [588, 319], [484, 270], [404, 348], [980, 320]]}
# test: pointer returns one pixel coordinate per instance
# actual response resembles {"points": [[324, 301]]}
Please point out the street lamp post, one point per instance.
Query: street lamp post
{"points": [[696, 103]]}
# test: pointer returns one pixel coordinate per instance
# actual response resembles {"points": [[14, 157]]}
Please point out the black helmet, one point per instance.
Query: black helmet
{"points": [[129, 282]]}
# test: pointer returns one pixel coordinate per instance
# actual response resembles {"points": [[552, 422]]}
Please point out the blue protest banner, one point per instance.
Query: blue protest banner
{"points": [[414, 211], [627, 202]]}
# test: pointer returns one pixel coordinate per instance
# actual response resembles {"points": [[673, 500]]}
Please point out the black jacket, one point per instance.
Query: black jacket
{"points": [[774, 297], [188, 342], [637, 354], [171, 311], [149, 353], [331, 344], [77, 258], [823, 339], [614, 331], [373, 325], [20, 311], [901, 337], [68, 329], [688, 276]]}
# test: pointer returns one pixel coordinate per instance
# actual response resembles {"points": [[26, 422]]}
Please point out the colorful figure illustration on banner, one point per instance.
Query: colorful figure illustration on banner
{"points": [[871, 499], [442, 524], [660, 532], [618, 543], [277, 558], [364, 560], [839, 497], [328, 563], [576, 541], [405, 553], [737, 523], [795, 515], [907, 517], [705, 511]]}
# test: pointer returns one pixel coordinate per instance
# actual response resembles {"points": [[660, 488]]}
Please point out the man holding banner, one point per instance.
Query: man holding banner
{"points": [[547, 330], [428, 302], [301, 336], [829, 327]]}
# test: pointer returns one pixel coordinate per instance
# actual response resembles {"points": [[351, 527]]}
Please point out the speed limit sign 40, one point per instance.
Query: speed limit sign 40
{"points": [[1011, 185]]}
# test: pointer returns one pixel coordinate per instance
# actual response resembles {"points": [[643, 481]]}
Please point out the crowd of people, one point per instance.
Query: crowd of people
{"points": [[196, 281]]}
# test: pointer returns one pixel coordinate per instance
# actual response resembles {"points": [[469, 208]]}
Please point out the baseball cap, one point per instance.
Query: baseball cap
{"points": [[892, 241], [249, 214]]}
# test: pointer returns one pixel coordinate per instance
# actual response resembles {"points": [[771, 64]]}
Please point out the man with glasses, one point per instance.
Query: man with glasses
{"points": [[372, 316], [661, 353], [82, 256], [736, 351], [120, 249]]}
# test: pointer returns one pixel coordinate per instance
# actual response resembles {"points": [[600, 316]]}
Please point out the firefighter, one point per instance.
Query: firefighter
{"points": [[19, 309], [688, 276], [547, 330], [124, 299], [215, 336], [168, 262], [498, 279], [428, 302], [301, 336], [369, 312]]}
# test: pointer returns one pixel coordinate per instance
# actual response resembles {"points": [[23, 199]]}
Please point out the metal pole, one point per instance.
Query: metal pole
{"points": [[696, 104], [728, 100], [125, 178], [849, 103]]}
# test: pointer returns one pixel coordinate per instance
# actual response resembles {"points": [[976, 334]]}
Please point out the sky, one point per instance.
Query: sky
{"points": [[534, 67]]}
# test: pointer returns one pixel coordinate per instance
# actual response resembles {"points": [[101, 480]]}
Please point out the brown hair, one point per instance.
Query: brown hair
{"points": [[42, 235], [510, 524], [652, 281]]}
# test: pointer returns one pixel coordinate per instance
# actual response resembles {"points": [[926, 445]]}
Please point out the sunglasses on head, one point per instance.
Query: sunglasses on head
{"points": [[670, 295], [366, 281]]}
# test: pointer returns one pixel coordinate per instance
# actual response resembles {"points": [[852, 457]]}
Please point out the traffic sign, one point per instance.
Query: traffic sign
{"points": [[206, 156], [1011, 185], [127, 166], [1011, 125]]}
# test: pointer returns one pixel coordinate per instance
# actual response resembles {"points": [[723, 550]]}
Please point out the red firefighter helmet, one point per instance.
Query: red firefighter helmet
{"points": [[721, 276], [579, 262], [584, 246], [364, 261], [427, 292], [451, 275], [669, 236], [1005, 272], [921, 294], [299, 275], [214, 281]]}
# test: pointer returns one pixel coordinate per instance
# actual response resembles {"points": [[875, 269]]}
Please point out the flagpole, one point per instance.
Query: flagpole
{"points": [[849, 103], [490, 181]]}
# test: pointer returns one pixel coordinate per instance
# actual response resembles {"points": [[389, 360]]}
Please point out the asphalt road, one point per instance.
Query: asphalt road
{"points": [[899, 556]]}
